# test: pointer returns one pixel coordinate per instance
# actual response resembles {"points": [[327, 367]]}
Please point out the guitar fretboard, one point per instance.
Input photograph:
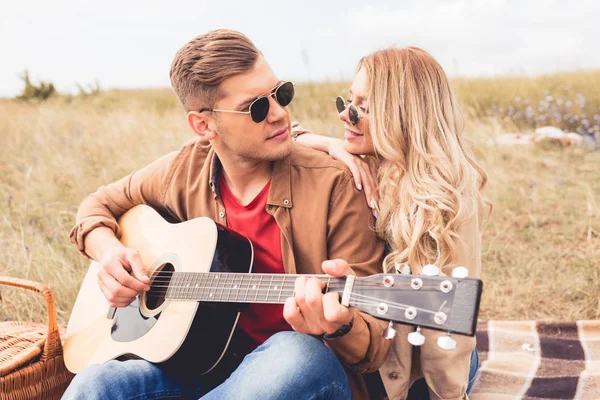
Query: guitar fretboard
{"points": [[240, 288]]}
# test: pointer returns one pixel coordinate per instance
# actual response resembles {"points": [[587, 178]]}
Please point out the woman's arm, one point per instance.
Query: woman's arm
{"points": [[309, 139], [362, 174]]}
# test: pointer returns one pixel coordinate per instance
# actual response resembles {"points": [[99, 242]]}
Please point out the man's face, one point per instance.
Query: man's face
{"points": [[238, 134]]}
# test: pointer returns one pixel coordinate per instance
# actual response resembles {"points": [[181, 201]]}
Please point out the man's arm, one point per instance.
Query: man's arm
{"points": [[104, 207], [121, 275]]}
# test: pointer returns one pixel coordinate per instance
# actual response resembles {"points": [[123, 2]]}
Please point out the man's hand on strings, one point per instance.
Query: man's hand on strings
{"points": [[314, 313], [122, 276]]}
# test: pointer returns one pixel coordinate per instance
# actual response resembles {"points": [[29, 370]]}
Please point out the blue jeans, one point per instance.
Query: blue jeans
{"points": [[289, 365], [419, 390]]}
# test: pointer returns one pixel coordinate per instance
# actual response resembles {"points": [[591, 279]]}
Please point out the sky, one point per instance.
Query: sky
{"points": [[131, 43]]}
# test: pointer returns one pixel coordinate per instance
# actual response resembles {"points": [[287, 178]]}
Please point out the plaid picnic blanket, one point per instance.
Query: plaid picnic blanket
{"points": [[538, 360]]}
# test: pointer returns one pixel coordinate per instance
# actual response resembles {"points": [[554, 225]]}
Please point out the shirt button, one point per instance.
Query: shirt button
{"points": [[394, 375], [286, 202], [222, 214]]}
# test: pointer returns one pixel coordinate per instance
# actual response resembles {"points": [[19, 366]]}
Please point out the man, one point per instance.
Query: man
{"points": [[298, 207]]}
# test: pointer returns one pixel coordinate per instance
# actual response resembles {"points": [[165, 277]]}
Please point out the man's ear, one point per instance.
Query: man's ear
{"points": [[200, 125]]}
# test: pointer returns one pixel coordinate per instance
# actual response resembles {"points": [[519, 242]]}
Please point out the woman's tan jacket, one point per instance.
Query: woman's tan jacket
{"points": [[446, 371]]}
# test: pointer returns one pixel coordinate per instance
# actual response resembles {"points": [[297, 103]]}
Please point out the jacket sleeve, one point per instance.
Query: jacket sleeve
{"points": [[104, 207], [447, 372], [351, 237]]}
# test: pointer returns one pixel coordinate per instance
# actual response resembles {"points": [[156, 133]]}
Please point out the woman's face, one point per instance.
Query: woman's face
{"points": [[358, 137]]}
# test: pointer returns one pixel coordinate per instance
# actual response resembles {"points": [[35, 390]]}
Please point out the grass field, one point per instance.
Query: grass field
{"points": [[541, 249]]}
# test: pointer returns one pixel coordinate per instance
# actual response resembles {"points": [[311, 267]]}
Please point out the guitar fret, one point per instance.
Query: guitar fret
{"points": [[258, 289], [173, 285], [218, 280], [206, 285], [240, 287], [281, 289], [214, 286], [230, 285], [190, 286], [182, 286], [200, 294], [269, 289], [272, 296], [210, 280], [178, 285], [193, 287], [221, 283], [255, 282], [248, 287], [186, 286], [202, 286], [237, 290]]}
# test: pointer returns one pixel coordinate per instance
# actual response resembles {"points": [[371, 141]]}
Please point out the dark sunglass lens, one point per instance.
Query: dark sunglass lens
{"points": [[353, 115], [259, 109], [340, 104], [285, 94]]}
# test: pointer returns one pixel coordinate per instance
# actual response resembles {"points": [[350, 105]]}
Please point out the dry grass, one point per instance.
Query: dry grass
{"points": [[541, 244]]}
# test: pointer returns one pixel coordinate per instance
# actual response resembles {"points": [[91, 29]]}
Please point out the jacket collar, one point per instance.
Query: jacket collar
{"points": [[280, 193]]}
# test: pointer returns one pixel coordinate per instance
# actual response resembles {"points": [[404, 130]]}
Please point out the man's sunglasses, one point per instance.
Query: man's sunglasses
{"points": [[259, 109], [353, 114]]}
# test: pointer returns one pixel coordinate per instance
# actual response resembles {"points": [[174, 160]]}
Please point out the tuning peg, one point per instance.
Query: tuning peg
{"points": [[460, 272], [430, 270], [389, 333], [416, 338], [402, 268], [446, 342]]}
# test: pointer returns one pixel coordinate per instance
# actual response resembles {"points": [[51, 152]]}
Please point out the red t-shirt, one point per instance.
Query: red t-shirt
{"points": [[259, 321]]}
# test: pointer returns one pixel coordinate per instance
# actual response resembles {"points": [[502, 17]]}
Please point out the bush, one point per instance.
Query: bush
{"points": [[41, 92]]}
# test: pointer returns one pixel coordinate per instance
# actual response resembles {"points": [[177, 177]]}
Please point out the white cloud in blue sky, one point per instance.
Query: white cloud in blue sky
{"points": [[131, 43]]}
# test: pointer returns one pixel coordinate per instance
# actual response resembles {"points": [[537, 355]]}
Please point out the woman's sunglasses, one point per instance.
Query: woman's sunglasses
{"points": [[353, 115], [259, 109]]}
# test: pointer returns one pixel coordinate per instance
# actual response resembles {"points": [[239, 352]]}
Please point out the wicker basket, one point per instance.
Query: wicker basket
{"points": [[31, 357]]}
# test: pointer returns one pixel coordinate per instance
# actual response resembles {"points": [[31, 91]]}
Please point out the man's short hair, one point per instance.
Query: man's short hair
{"points": [[205, 62]]}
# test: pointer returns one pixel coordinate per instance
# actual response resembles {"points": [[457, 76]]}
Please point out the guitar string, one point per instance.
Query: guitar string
{"points": [[353, 296], [355, 302], [241, 276], [260, 287], [167, 274]]}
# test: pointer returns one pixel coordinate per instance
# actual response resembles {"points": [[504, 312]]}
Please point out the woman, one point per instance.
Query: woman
{"points": [[427, 198]]}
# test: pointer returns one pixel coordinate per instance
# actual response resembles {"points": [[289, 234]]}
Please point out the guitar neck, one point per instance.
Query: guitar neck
{"points": [[239, 287]]}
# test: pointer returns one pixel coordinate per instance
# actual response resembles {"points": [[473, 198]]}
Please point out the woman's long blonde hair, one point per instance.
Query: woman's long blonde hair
{"points": [[429, 181]]}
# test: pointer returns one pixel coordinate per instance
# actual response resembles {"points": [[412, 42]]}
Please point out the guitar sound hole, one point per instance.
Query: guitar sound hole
{"points": [[155, 297]]}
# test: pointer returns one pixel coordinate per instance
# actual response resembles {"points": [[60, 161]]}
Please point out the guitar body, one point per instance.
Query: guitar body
{"points": [[151, 327]]}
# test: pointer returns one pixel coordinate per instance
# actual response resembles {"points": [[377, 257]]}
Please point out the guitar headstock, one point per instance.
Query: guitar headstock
{"points": [[445, 303]]}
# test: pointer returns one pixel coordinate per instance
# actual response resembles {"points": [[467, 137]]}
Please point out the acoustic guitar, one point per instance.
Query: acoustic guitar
{"points": [[201, 272]]}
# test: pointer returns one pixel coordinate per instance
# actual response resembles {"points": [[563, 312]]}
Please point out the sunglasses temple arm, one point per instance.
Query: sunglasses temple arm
{"points": [[232, 111]]}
